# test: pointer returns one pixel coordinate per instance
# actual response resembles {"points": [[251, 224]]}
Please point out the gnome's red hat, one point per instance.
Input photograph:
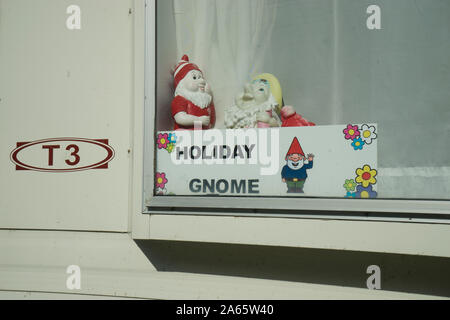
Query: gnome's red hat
{"points": [[182, 68], [295, 148]]}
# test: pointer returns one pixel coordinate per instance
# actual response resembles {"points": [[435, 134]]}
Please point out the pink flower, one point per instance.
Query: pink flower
{"points": [[351, 132], [163, 140], [160, 180]]}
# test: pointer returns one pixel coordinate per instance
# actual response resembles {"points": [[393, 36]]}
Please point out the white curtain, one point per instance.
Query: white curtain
{"points": [[227, 39]]}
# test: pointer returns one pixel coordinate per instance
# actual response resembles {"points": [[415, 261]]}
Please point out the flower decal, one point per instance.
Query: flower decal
{"points": [[350, 194], [365, 193], [160, 192], [172, 138], [160, 180], [368, 133], [162, 140], [350, 185], [358, 144], [360, 136], [351, 132], [363, 183], [166, 141], [366, 176]]}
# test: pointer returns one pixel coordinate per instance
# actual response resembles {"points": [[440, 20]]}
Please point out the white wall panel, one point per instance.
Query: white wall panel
{"points": [[112, 265], [56, 82], [370, 236]]}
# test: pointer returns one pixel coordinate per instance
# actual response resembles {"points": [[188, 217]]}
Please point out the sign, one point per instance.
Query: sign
{"points": [[318, 161], [62, 154]]}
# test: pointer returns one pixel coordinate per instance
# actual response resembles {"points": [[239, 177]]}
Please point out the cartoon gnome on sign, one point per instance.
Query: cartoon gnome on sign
{"points": [[193, 102], [294, 172]]}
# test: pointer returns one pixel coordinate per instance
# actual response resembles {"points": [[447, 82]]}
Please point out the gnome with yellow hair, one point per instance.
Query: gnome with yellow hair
{"points": [[258, 106]]}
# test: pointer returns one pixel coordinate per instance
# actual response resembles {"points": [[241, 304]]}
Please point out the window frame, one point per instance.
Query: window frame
{"points": [[143, 168]]}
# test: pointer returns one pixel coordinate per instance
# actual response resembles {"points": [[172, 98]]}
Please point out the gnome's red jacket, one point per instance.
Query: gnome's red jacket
{"points": [[295, 120], [181, 104]]}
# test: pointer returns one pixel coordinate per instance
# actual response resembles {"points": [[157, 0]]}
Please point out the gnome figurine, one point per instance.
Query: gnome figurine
{"points": [[290, 118], [255, 107], [294, 172], [193, 103]]}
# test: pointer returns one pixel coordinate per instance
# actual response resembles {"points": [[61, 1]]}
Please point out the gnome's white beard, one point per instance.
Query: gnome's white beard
{"points": [[200, 99], [291, 165]]}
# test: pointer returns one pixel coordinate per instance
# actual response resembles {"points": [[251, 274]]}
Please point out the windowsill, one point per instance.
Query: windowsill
{"points": [[425, 239], [303, 204]]}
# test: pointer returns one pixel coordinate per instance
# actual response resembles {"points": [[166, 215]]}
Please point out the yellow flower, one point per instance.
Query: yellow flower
{"points": [[366, 176]]}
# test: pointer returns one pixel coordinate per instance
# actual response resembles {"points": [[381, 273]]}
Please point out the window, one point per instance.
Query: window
{"points": [[373, 77]]}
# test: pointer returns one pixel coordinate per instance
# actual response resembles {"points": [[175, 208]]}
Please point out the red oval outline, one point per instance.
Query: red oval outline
{"points": [[109, 157]]}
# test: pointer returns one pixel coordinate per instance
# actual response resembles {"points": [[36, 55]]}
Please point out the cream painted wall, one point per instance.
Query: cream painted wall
{"points": [[112, 265], [56, 82]]}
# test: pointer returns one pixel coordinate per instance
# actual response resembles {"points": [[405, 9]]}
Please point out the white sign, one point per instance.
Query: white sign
{"points": [[318, 161]]}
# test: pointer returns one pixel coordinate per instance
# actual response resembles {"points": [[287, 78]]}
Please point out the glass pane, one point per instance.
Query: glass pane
{"points": [[377, 75]]}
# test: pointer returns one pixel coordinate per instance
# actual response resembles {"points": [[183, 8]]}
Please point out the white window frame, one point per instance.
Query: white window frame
{"points": [[265, 211]]}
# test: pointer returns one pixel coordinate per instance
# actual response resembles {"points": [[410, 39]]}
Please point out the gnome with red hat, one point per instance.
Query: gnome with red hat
{"points": [[192, 105], [294, 172]]}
